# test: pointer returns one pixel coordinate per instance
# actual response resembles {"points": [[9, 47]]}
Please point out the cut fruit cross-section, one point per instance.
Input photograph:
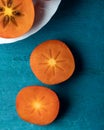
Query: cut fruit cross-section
{"points": [[37, 105], [52, 62], [16, 17]]}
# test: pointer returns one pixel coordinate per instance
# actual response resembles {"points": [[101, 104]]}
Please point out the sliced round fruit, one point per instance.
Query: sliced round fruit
{"points": [[37, 105], [52, 62], [16, 17]]}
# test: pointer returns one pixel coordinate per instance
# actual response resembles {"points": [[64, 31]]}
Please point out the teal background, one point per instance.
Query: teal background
{"points": [[79, 23]]}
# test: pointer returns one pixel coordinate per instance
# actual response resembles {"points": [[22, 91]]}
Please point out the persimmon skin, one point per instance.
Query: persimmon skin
{"points": [[52, 62], [20, 24], [37, 105]]}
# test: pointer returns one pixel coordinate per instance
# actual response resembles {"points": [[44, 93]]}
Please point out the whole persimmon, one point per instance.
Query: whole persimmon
{"points": [[52, 62], [16, 17], [37, 105]]}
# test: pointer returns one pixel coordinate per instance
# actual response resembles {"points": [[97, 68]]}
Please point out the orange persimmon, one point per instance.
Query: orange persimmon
{"points": [[52, 62], [37, 105], [16, 17]]}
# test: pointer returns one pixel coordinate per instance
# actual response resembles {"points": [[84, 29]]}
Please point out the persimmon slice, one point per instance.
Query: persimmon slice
{"points": [[16, 17], [37, 105], [52, 62]]}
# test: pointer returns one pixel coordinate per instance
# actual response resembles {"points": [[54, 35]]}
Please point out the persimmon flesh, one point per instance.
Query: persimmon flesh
{"points": [[37, 105], [16, 17], [52, 62]]}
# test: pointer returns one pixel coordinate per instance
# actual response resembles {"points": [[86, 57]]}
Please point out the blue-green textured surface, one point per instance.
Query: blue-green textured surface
{"points": [[80, 23]]}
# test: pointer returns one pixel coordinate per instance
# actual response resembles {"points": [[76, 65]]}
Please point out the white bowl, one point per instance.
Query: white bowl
{"points": [[45, 9]]}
